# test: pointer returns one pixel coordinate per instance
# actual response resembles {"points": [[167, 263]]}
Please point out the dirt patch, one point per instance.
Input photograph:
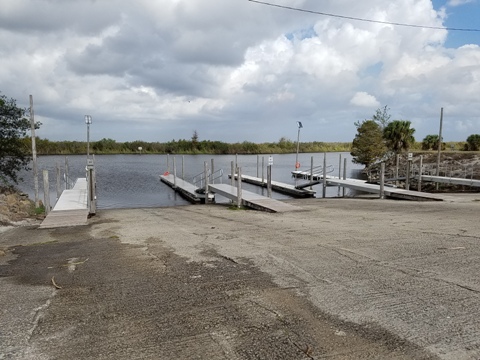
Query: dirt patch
{"points": [[14, 206]]}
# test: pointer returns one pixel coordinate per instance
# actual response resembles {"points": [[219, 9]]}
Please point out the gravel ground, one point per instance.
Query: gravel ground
{"points": [[342, 279]]}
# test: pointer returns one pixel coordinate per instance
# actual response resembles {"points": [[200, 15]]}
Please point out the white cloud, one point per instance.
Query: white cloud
{"points": [[458, 2], [364, 99], [218, 67]]}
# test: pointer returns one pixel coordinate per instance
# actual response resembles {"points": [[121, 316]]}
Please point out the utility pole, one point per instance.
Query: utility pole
{"points": [[439, 144], [34, 152]]}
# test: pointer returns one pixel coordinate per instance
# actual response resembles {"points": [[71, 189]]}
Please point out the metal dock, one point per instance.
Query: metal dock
{"points": [[394, 193], [280, 187], [184, 188], [71, 208], [252, 200]]}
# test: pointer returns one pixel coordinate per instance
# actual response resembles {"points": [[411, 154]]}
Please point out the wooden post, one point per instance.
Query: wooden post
{"points": [[46, 192], [174, 173], [420, 173], [269, 181], [263, 172], [407, 179], [232, 177], [324, 190], [382, 181], [205, 170], [59, 188], [239, 187], [236, 161], [34, 152], [168, 162], [344, 174]]}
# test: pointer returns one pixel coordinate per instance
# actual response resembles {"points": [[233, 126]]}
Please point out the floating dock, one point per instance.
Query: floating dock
{"points": [[71, 208], [394, 193], [280, 187], [252, 200], [184, 188]]}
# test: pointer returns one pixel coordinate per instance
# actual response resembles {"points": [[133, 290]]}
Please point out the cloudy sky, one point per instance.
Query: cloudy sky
{"points": [[237, 70]]}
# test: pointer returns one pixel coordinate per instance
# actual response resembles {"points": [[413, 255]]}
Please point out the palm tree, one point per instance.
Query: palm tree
{"points": [[399, 135]]}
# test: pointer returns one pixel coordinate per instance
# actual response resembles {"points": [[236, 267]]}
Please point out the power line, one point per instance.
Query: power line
{"points": [[362, 19]]}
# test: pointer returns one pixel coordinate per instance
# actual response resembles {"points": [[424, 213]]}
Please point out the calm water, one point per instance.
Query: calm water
{"points": [[130, 181]]}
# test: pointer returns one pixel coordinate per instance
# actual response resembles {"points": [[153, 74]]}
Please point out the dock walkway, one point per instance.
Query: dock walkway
{"points": [[186, 189], [252, 200], [396, 193], [71, 208], [278, 186]]}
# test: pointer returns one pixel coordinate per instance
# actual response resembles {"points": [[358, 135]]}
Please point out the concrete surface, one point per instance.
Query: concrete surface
{"points": [[342, 279]]}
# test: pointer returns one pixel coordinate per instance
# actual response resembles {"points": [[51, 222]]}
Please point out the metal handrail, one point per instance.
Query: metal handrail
{"points": [[216, 175]]}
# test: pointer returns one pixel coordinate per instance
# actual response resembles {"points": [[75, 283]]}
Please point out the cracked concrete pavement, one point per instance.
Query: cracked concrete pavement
{"points": [[342, 279]]}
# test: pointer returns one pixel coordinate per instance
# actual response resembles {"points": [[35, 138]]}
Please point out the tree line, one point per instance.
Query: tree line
{"points": [[376, 139], [182, 146]]}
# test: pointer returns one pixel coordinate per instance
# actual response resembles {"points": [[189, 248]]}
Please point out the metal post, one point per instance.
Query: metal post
{"points": [[232, 172], [258, 163], [324, 190], [174, 173], [382, 181], [269, 181], [344, 174], [59, 188], [339, 171], [168, 162], [205, 170], [311, 172], [236, 161], [212, 172], [439, 144], [420, 173], [66, 174], [34, 152], [88, 140], [46, 192], [263, 170], [239, 187], [396, 170], [407, 179], [183, 166]]}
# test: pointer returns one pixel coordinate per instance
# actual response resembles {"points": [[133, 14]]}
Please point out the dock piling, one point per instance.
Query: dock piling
{"points": [[46, 192], [382, 180], [174, 172], [239, 187]]}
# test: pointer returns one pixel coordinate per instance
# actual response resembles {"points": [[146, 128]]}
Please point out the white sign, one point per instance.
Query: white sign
{"points": [[410, 156], [270, 160]]}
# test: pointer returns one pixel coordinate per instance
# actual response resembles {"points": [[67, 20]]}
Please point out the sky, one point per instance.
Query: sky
{"points": [[237, 70]]}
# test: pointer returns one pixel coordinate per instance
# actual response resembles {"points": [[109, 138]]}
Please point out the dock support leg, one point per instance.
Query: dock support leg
{"points": [[239, 187], [324, 187], [46, 192], [205, 169], [420, 172], [269, 181], [174, 173], [382, 181]]}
